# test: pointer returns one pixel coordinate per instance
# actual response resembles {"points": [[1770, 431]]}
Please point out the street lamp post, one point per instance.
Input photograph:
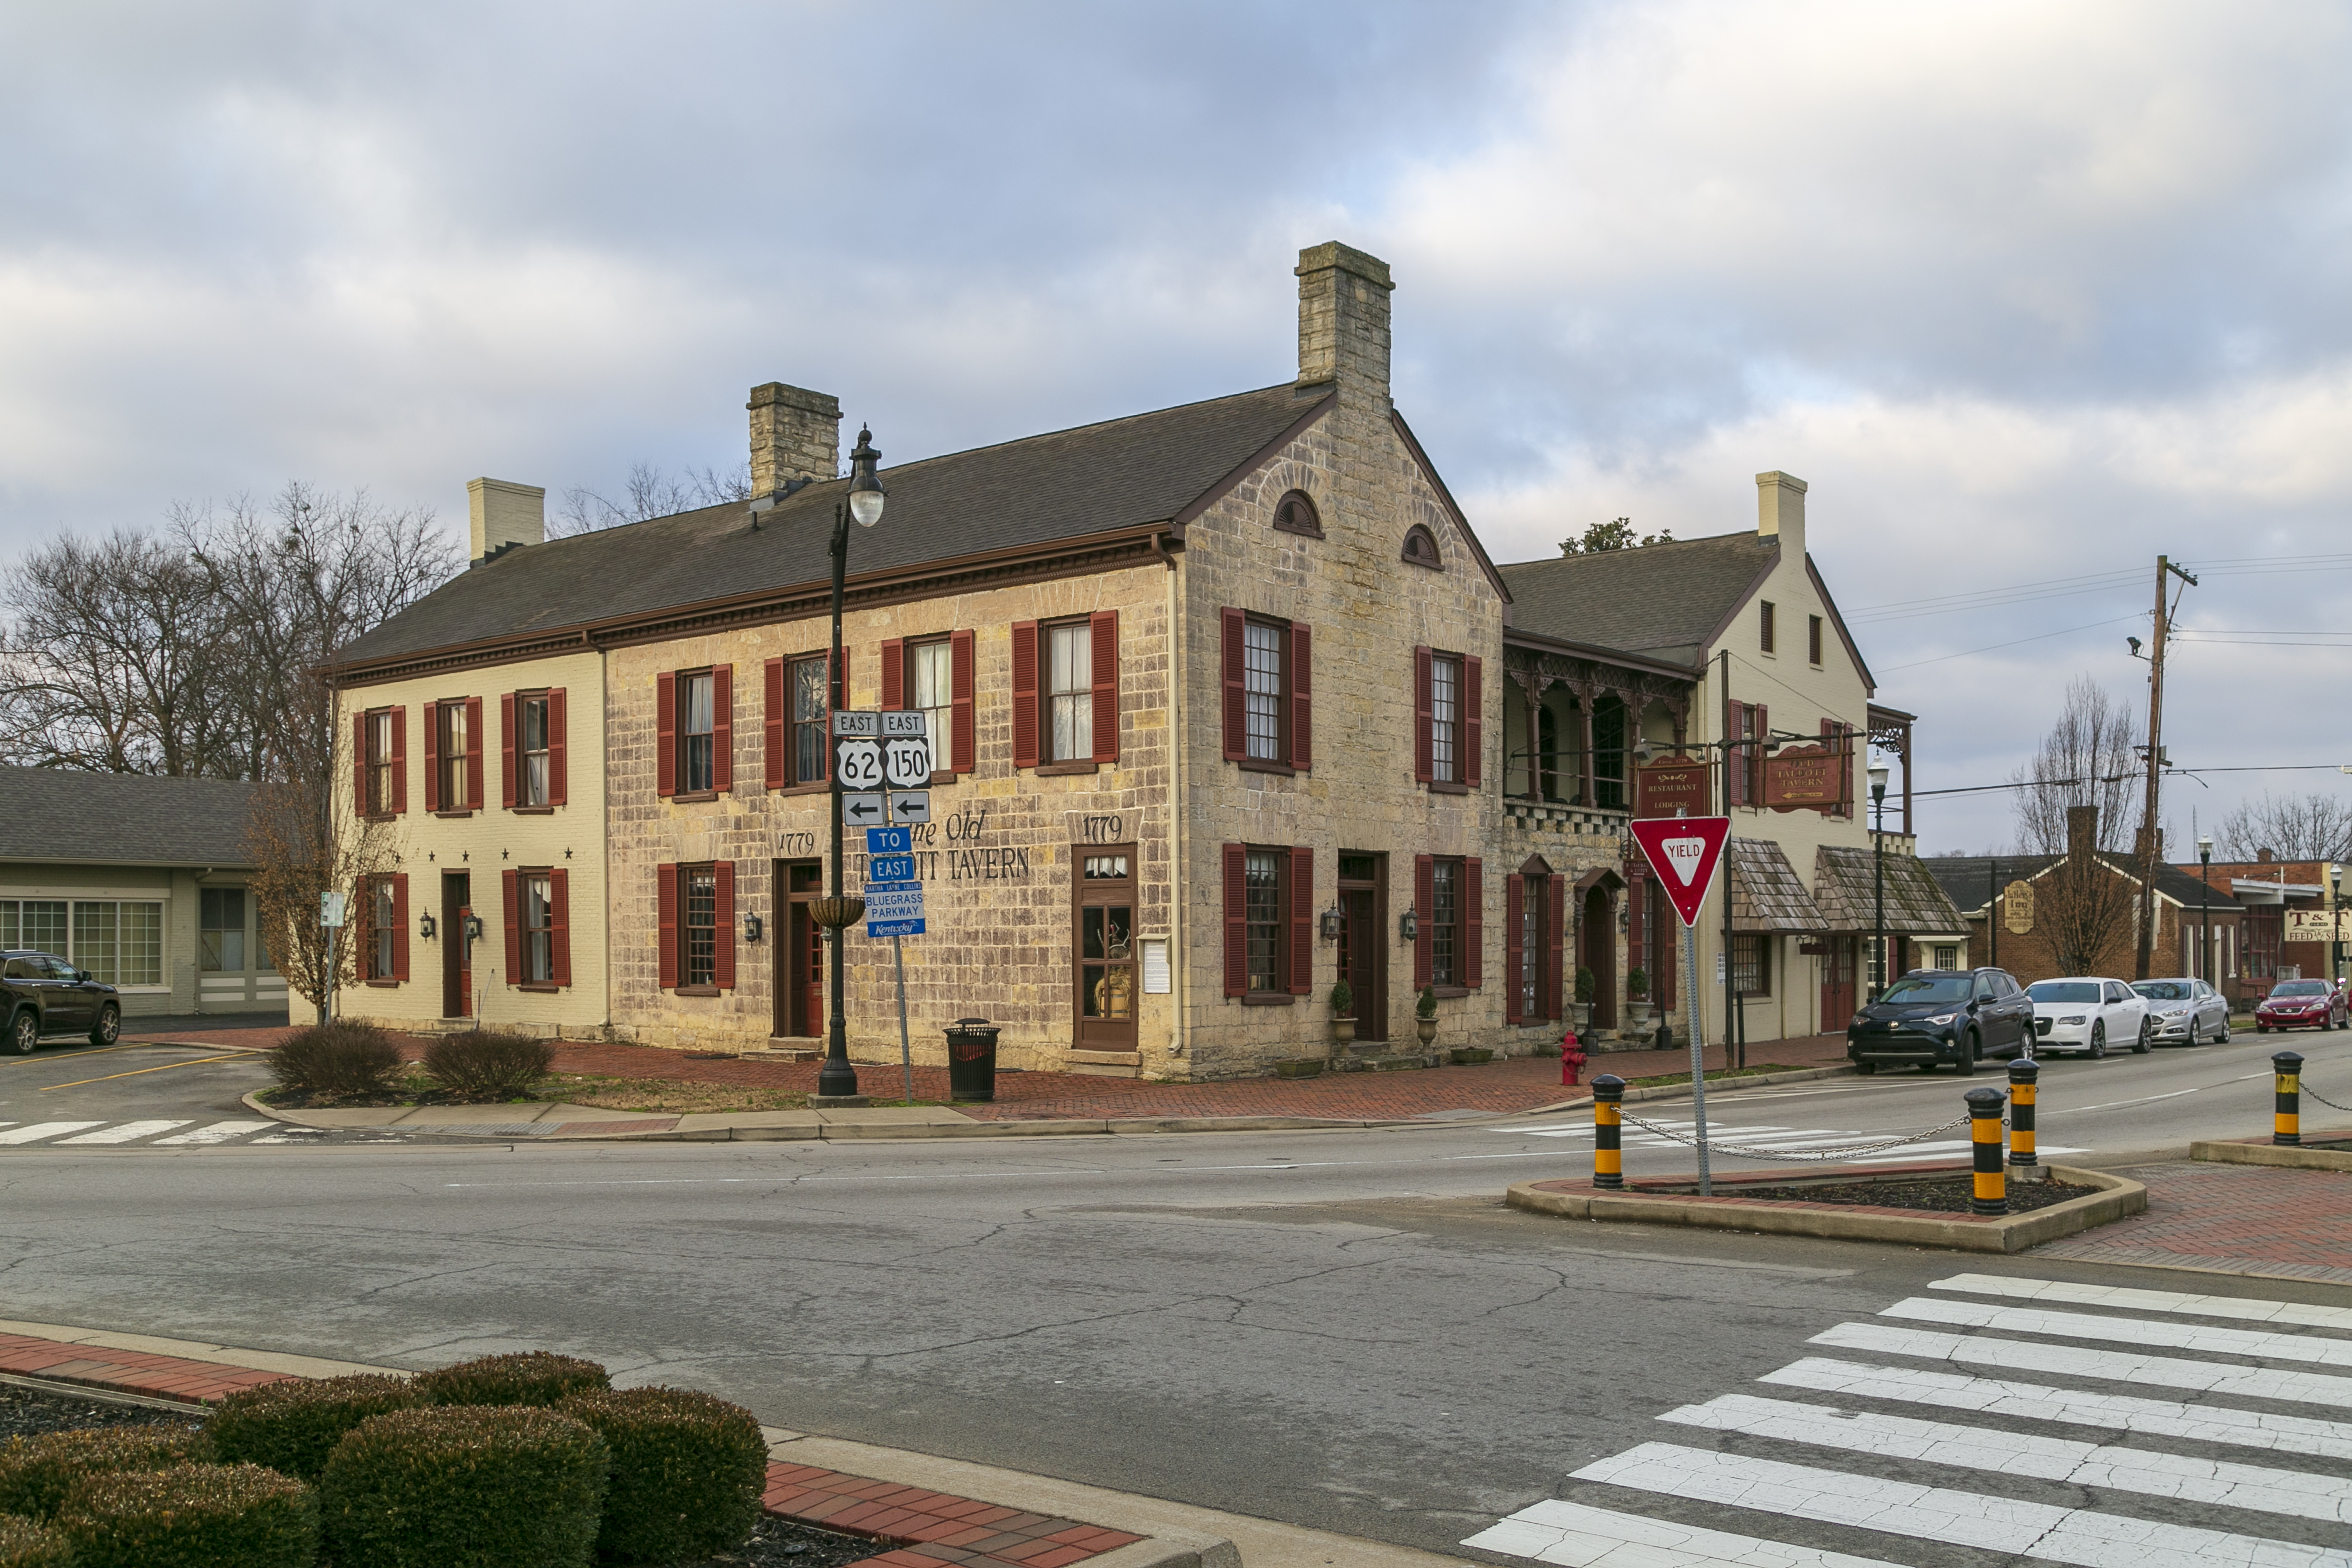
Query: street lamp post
{"points": [[2205, 909], [2335, 923], [1878, 878], [837, 1079]]}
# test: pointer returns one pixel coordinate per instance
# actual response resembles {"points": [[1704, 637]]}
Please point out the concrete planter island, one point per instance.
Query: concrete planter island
{"points": [[2292, 1156], [1671, 1203]]}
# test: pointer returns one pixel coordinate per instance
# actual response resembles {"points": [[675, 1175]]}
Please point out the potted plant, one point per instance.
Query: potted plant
{"points": [[1580, 1010], [1637, 999], [1424, 1015], [1343, 1014]]}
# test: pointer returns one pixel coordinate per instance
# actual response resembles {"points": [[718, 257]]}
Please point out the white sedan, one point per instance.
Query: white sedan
{"points": [[2088, 1014]]}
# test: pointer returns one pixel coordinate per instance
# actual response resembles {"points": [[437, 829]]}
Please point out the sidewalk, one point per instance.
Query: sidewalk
{"points": [[2255, 1221]]}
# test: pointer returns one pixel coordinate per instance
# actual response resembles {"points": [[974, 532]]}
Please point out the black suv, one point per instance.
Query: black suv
{"points": [[43, 995], [1932, 1016]]}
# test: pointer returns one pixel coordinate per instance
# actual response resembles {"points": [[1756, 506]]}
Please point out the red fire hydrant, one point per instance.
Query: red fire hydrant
{"points": [[1570, 1058]]}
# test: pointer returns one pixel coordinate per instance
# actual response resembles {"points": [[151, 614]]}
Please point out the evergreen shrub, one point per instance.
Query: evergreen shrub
{"points": [[192, 1516], [488, 1064], [337, 1059], [524, 1377], [464, 1486], [35, 1473], [689, 1470], [293, 1426], [25, 1544]]}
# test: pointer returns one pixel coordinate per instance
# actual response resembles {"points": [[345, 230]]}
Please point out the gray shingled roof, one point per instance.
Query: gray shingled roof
{"points": [[1845, 885], [1663, 600], [121, 819], [1963, 878], [1125, 473], [1767, 894]]}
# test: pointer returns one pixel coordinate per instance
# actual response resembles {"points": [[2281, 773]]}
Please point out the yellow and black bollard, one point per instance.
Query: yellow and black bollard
{"points": [[2286, 1114], [1984, 1132], [1608, 1159], [2022, 1074]]}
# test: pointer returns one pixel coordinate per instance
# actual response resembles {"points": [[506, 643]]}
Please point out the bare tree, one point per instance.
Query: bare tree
{"points": [[2086, 759], [2292, 827], [307, 838], [651, 493]]}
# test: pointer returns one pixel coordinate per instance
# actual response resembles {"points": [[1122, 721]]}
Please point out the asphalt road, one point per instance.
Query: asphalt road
{"points": [[1339, 1330]]}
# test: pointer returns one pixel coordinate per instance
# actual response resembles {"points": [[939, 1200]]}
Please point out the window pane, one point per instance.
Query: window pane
{"points": [[10, 924], [807, 681], [1262, 920], [539, 924], [140, 945], [701, 936], [380, 956], [1533, 946], [44, 924], [456, 794], [1070, 684], [533, 783], [1443, 710], [1444, 909], [93, 947], [931, 680], [694, 736], [1099, 868], [220, 932], [1262, 688]]}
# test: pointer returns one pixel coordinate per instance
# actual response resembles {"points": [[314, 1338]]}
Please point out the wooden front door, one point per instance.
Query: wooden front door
{"points": [[457, 953], [1838, 963], [800, 981], [1600, 955], [1363, 944], [1102, 956]]}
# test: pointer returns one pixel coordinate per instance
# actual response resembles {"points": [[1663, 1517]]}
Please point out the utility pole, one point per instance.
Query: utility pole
{"points": [[2151, 834]]}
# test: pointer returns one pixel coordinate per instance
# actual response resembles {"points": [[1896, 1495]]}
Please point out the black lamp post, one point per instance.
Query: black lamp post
{"points": [[837, 1079], [2335, 923], [1878, 878], [2205, 910]]}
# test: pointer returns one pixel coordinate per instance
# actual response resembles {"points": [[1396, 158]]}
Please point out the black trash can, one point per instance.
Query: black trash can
{"points": [[971, 1060]]}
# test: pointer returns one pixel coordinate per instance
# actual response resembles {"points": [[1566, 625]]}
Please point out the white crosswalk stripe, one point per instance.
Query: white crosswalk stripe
{"points": [[68, 1134], [124, 1132], [40, 1130], [218, 1133], [1979, 1467]]}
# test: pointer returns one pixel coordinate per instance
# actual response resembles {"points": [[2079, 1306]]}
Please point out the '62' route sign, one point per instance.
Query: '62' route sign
{"points": [[858, 763]]}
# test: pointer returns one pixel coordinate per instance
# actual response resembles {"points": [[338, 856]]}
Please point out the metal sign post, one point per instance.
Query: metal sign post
{"points": [[906, 1051]]}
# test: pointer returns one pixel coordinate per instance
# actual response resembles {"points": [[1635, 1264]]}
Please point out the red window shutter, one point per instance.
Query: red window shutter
{"points": [[1236, 919], [1556, 937], [1734, 773], [432, 756], [722, 919], [665, 900], [722, 727], [1474, 924], [894, 672], [666, 734], [1474, 718], [772, 723], [510, 888], [507, 750], [1515, 946], [1424, 768], [1423, 896], [477, 790], [1302, 697], [399, 761], [1024, 694], [555, 734], [1302, 922], [559, 915], [1759, 724], [359, 765], [1102, 628], [400, 925], [1236, 692], [964, 656]]}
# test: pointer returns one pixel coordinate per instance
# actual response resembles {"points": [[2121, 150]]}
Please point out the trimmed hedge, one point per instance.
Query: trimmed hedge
{"points": [[688, 1472], [485, 1064], [525, 1377], [460, 1486], [337, 1059], [293, 1426], [192, 1516], [24, 1545], [35, 1473]]}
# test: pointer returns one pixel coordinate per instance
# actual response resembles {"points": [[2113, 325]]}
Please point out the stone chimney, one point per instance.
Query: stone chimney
{"points": [[795, 435], [504, 514], [2265, 856], [1781, 512], [1343, 324], [2082, 833]]}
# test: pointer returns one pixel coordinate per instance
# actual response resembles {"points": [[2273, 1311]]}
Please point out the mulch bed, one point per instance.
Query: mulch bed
{"points": [[776, 1543], [1939, 1195]]}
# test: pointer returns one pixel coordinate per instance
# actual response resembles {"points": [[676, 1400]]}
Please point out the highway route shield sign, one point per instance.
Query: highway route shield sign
{"points": [[860, 764], [906, 763], [1685, 852], [863, 810]]}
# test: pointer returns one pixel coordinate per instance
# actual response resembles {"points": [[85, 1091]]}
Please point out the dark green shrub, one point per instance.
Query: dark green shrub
{"points": [[688, 1472], [24, 1545], [35, 1473], [192, 1516], [337, 1059], [525, 1377], [464, 1486], [485, 1064], [293, 1426]]}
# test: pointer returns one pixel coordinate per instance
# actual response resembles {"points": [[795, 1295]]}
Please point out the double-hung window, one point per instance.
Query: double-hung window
{"points": [[697, 735], [1445, 922], [699, 929], [453, 745], [1269, 893], [383, 929], [697, 921], [383, 760], [1262, 688], [1066, 694], [1069, 692], [1264, 920], [1268, 681], [1448, 891], [220, 929], [538, 928], [1448, 695], [534, 777], [805, 680], [1446, 719], [931, 689]]}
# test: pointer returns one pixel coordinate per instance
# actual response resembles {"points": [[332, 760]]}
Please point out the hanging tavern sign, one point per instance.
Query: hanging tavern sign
{"points": [[1677, 782], [1807, 778], [2017, 908]]}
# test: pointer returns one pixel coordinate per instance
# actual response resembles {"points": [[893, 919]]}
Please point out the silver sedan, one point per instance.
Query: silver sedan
{"points": [[2185, 1012]]}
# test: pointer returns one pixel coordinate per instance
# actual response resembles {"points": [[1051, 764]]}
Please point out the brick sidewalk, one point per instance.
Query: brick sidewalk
{"points": [[2253, 1220]]}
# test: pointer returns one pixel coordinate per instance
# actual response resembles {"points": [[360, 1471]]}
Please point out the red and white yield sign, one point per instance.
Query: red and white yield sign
{"points": [[1685, 852]]}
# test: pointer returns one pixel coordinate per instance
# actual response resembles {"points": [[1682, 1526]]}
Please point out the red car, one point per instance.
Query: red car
{"points": [[2303, 1004]]}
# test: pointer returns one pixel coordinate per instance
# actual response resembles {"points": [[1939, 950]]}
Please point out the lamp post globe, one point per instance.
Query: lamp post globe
{"points": [[866, 492]]}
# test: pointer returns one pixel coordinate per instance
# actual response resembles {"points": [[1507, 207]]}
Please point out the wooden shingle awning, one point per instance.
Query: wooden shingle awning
{"points": [[1767, 895], [1916, 904]]}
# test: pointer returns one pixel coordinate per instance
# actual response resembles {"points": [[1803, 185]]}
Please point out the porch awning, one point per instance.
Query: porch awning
{"points": [[1916, 904], [1767, 895]]}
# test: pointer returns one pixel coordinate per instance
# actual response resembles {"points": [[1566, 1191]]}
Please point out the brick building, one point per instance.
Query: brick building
{"points": [[2290, 915]]}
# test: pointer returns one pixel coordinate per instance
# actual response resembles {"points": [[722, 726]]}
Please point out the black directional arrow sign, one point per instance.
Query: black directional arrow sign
{"points": [[863, 810]]}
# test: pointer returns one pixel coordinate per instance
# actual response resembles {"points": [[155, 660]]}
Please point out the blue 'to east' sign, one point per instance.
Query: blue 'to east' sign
{"points": [[890, 869]]}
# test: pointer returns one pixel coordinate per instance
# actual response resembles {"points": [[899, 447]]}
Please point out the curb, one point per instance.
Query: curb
{"points": [[2116, 1197], [2263, 1151]]}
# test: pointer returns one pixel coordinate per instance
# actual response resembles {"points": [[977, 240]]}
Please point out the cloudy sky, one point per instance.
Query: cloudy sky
{"points": [[2029, 293]]}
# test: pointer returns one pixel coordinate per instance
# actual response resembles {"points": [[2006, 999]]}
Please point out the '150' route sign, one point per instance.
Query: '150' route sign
{"points": [[1685, 852]]}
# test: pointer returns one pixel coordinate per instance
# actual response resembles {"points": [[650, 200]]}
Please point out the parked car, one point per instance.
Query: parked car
{"points": [[2188, 1012], [1934, 1017], [2302, 1005], [2086, 1013], [43, 995]]}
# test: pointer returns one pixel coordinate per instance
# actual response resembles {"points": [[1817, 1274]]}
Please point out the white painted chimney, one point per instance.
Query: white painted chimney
{"points": [[505, 513], [1781, 512]]}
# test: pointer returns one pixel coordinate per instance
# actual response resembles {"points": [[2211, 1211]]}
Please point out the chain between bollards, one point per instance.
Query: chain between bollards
{"points": [[2023, 1075], [1607, 1157], [2286, 1112], [1991, 1193]]}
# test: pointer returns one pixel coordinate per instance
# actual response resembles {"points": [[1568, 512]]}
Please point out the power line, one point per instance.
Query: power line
{"points": [[2042, 637]]}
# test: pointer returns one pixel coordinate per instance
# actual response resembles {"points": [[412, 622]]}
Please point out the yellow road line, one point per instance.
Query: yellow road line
{"points": [[134, 1072], [86, 1051]]}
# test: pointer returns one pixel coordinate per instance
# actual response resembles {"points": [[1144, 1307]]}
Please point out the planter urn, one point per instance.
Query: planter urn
{"points": [[1640, 1011], [1426, 1029], [1343, 1031]]}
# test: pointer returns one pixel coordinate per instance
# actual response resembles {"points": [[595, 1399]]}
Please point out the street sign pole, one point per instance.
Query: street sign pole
{"points": [[906, 1051], [1698, 1061], [1686, 852]]}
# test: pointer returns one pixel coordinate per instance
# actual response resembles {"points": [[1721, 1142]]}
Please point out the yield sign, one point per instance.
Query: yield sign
{"points": [[1685, 852]]}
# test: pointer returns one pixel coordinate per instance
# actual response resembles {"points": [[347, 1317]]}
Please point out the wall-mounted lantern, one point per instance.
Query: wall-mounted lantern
{"points": [[752, 928], [426, 926], [1331, 925], [473, 928], [1409, 927]]}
